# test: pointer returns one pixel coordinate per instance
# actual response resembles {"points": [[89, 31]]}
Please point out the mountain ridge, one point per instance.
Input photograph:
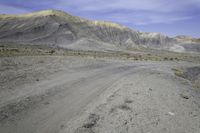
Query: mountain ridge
{"points": [[57, 28]]}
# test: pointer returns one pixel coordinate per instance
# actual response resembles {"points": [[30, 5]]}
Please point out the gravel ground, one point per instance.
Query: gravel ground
{"points": [[86, 95]]}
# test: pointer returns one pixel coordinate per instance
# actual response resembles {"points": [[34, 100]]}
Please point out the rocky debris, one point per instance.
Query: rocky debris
{"points": [[184, 96]]}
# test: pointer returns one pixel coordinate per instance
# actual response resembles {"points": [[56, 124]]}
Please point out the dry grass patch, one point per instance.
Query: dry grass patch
{"points": [[179, 72]]}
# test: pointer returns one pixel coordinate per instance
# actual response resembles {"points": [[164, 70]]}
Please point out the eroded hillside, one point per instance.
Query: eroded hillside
{"points": [[57, 28]]}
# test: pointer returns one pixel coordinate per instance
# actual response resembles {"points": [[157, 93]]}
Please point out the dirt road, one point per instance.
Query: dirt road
{"points": [[65, 94]]}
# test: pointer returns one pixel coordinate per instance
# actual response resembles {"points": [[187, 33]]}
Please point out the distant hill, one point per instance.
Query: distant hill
{"points": [[58, 29], [183, 38]]}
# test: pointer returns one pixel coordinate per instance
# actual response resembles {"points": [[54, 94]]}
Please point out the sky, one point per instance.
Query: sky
{"points": [[170, 17]]}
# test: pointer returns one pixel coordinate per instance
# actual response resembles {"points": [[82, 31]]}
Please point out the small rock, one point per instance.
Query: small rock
{"points": [[62, 126], [195, 115], [150, 89], [184, 96], [46, 103], [170, 113], [136, 93]]}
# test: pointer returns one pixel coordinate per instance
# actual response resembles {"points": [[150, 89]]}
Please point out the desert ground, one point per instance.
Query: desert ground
{"points": [[61, 73], [73, 94]]}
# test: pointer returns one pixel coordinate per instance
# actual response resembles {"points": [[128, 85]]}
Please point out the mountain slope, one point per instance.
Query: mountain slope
{"points": [[57, 28]]}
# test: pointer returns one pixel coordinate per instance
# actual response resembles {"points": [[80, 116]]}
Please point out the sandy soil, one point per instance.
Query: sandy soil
{"points": [[85, 95]]}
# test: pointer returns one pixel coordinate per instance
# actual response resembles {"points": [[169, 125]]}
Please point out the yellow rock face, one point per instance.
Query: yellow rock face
{"points": [[64, 15], [108, 24]]}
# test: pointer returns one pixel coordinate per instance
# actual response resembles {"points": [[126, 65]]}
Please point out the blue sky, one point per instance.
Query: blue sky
{"points": [[171, 17]]}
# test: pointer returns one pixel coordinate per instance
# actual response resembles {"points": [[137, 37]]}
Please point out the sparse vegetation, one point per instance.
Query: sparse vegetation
{"points": [[145, 55], [192, 74], [92, 121], [128, 100], [178, 72], [88, 126], [124, 107], [52, 51]]}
